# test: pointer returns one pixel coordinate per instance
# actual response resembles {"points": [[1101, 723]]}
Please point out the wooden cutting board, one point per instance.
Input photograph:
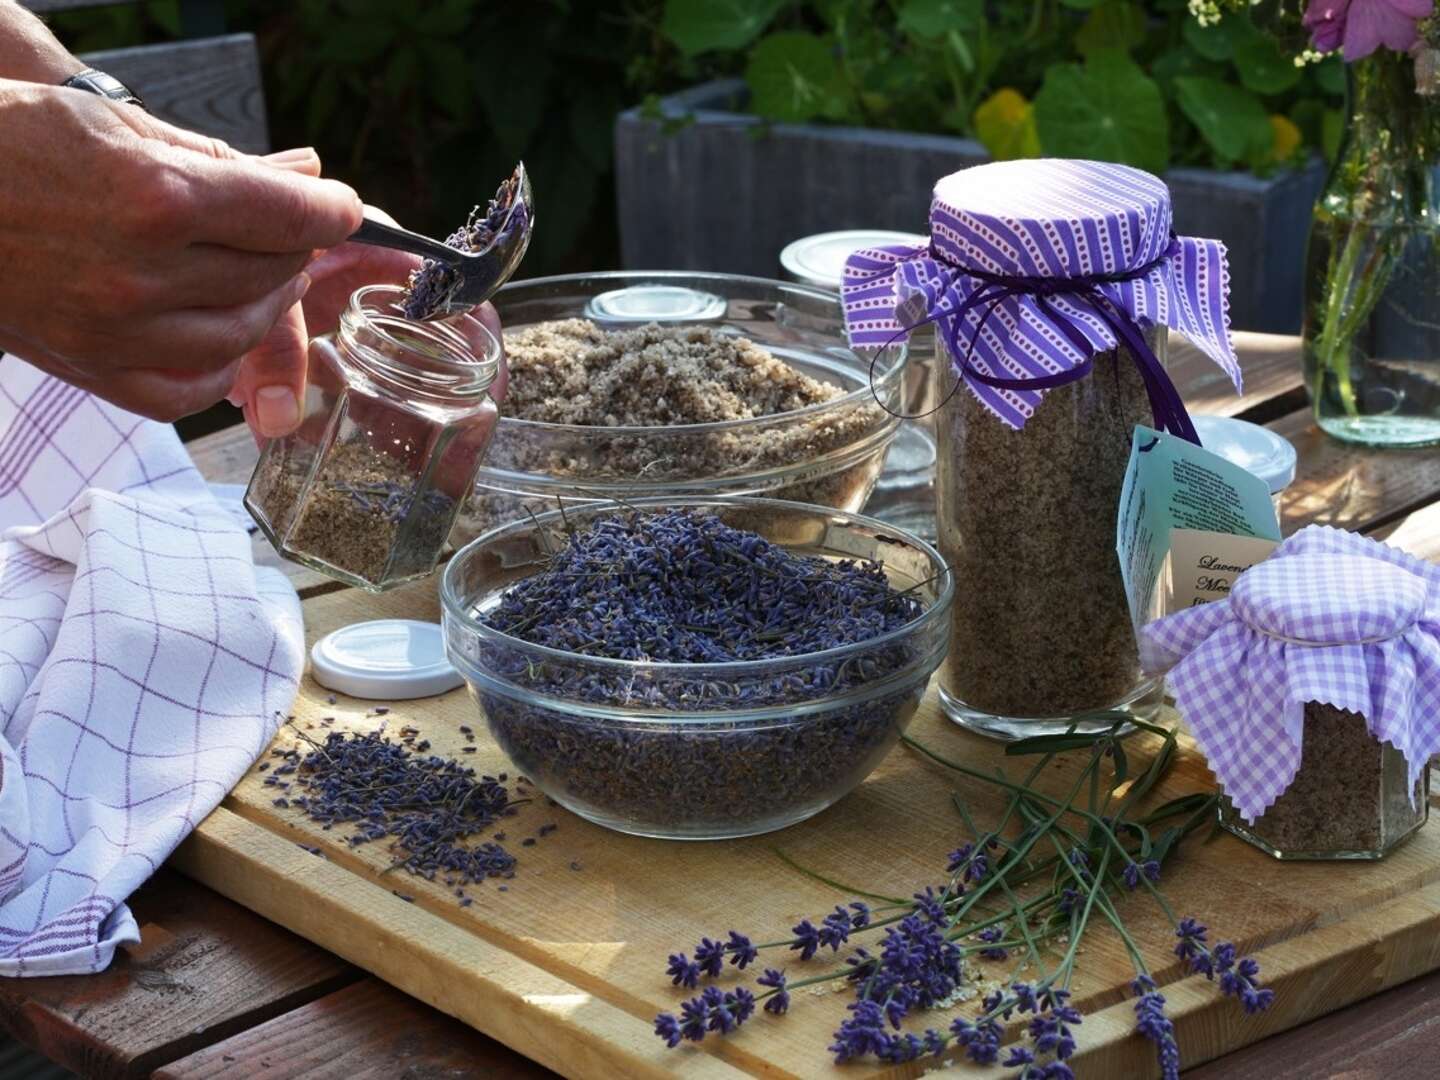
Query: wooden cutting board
{"points": [[567, 964]]}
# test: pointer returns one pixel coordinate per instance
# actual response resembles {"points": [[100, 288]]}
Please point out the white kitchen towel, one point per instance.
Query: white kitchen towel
{"points": [[144, 664]]}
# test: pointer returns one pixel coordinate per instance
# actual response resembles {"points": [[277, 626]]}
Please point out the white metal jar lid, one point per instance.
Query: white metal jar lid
{"points": [[655, 303], [384, 660], [1254, 448], [820, 259]]}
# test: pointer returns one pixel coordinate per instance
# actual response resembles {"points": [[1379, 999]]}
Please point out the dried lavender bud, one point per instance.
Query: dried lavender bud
{"points": [[681, 588], [425, 806], [431, 287]]}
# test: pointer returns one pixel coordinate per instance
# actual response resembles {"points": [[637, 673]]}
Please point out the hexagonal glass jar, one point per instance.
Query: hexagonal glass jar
{"points": [[1350, 799], [397, 415]]}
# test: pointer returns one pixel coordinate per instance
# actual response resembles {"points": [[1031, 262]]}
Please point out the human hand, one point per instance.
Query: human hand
{"points": [[141, 262], [271, 380]]}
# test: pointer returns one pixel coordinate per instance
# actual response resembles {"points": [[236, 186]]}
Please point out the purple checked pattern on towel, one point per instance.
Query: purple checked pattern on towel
{"points": [[143, 662], [1050, 220], [1330, 617]]}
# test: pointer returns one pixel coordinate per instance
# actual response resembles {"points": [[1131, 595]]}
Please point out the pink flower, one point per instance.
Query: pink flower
{"points": [[1362, 26]]}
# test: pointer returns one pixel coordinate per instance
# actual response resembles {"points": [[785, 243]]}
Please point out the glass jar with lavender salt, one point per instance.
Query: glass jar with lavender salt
{"points": [[397, 415], [1310, 689], [1051, 285]]}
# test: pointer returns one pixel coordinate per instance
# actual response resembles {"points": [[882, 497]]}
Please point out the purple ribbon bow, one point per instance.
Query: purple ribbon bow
{"points": [[1037, 266]]}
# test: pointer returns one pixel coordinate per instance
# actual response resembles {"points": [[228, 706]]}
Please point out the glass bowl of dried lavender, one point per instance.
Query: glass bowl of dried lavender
{"points": [[634, 385], [697, 668]]}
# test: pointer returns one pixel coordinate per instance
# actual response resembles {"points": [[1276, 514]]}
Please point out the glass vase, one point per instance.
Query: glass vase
{"points": [[1372, 325]]}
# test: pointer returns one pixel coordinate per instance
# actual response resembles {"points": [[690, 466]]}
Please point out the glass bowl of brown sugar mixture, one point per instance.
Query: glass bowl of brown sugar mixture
{"points": [[641, 385]]}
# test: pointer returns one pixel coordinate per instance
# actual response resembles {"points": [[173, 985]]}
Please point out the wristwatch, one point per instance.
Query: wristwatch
{"points": [[97, 82]]}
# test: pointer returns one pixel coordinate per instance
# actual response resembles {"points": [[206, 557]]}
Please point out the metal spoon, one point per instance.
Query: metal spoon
{"points": [[452, 280]]}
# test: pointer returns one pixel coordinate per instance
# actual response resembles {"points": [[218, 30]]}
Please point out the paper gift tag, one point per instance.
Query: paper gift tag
{"points": [[1172, 484]]}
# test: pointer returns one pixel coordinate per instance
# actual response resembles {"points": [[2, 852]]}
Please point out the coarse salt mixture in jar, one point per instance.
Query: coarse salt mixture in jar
{"points": [[1051, 285], [396, 418], [1314, 691]]}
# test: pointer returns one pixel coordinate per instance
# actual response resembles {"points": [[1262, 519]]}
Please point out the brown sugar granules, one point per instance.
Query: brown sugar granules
{"points": [[1351, 795], [359, 514], [572, 372], [1027, 524]]}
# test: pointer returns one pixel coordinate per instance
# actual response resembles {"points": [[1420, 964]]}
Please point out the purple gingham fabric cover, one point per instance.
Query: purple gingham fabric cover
{"points": [[1043, 218], [1329, 617], [143, 660]]}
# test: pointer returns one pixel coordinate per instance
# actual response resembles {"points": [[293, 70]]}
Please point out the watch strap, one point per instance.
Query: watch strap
{"points": [[97, 82]]}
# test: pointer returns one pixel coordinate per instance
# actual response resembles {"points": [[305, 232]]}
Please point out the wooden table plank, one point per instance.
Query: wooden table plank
{"points": [[1395, 1035], [1353, 487], [206, 968], [1270, 364], [368, 1030]]}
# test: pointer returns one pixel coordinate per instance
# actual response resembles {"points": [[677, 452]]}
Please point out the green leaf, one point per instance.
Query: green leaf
{"points": [[1262, 66], [1005, 123], [1107, 109], [1079, 5], [1330, 75], [450, 17], [1182, 60], [592, 125], [1309, 116], [1116, 24], [356, 43], [935, 18], [1229, 118], [1332, 130], [166, 14], [400, 71], [1211, 42], [447, 81], [698, 26], [322, 102], [514, 118], [792, 76]]}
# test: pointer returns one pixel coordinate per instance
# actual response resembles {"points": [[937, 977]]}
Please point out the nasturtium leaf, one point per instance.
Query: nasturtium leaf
{"points": [[1212, 42], [934, 18], [1230, 118], [698, 26], [1309, 116], [1287, 138], [1112, 24], [1107, 109], [1330, 74], [793, 76], [1005, 123], [1262, 66], [1332, 132]]}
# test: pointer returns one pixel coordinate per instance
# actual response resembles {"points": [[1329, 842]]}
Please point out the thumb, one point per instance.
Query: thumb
{"points": [[271, 383]]}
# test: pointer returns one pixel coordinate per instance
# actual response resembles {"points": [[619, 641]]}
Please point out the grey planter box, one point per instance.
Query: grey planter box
{"points": [[725, 193]]}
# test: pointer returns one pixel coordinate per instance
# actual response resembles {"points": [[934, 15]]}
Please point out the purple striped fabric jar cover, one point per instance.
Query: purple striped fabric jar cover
{"points": [[1050, 219], [1331, 617]]}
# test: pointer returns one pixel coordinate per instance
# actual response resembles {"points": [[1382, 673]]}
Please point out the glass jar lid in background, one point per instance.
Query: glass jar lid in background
{"points": [[1255, 449], [819, 260]]}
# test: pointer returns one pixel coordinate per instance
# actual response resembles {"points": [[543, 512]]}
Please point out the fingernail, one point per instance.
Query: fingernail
{"points": [[299, 286], [277, 411], [292, 157]]}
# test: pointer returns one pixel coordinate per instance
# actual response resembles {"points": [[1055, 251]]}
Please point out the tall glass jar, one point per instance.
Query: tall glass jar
{"points": [[1371, 335], [1042, 630], [397, 415]]}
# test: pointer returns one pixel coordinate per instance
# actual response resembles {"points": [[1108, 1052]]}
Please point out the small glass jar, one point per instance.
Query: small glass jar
{"points": [[396, 418], [1351, 798]]}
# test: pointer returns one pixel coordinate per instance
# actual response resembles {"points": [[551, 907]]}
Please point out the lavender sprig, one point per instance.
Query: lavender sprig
{"points": [[920, 960]]}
